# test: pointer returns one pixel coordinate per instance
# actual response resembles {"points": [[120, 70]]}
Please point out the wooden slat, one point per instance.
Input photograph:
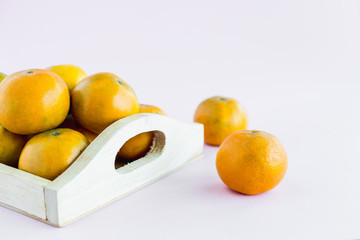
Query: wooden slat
{"points": [[22, 191]]}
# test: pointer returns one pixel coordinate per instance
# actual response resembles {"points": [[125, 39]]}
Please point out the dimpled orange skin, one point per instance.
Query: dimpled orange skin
{"points": [[139, 145], [101, 99], [72, 124], [50, 153], [11, 146], [33, 101], [220, 116], [251, 162]]}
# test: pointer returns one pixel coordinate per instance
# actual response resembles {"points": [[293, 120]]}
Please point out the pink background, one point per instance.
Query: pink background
{"points": [[294, 65]]}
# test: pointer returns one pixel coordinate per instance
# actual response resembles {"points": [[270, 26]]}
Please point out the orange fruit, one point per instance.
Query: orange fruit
{"points": [[72, 124], [11, 146], [50, 153], [220, 116], [2, 76], [33, 101], [71, 74], [251, 162], [101, 99], [144, 108], [137, 147]]}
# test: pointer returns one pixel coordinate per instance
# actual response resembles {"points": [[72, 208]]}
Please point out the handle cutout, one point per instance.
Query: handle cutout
{"points": [[139, 150]]}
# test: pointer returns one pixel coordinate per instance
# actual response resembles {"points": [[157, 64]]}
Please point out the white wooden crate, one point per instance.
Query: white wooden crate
{"points": [[93, 181]]}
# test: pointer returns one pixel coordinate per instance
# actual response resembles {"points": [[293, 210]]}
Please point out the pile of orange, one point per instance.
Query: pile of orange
{"points": [[250, 162], [61, 110]]}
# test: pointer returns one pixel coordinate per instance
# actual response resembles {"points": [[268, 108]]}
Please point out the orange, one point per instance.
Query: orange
{"points": [[144, 108], [101, 99], [72, 124], [71, 74], [2, 76], [33, 101], [137, 147], [50, 153], [251, 162], [220, 116], [11, 146]]}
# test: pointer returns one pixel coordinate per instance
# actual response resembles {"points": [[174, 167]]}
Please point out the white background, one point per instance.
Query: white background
{"points": [[294, 65]]}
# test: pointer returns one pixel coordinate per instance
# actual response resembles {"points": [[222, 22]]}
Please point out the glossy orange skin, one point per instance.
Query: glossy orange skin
{"points": [[251, 162], [11, 146], [139, 145], [220, 116], [71, 74], [33, 101], [72, 124], [50, 153], [101, 99]]}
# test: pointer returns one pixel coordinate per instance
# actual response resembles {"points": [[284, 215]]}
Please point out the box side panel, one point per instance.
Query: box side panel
{"points": [[100, 184], [22, 191], [72, 210]]}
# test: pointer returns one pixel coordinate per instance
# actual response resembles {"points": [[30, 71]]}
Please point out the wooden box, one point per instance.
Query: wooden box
{"points": [[93, 180]]}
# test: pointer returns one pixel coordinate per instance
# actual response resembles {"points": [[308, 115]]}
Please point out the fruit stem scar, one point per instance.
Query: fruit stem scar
{"points": [[29, 72], [55, 133], [223, 99], [253, 131], [120, 82]]}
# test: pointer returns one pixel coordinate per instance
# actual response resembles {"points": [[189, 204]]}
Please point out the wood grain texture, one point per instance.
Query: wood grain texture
{"points": [[22, 191]]}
